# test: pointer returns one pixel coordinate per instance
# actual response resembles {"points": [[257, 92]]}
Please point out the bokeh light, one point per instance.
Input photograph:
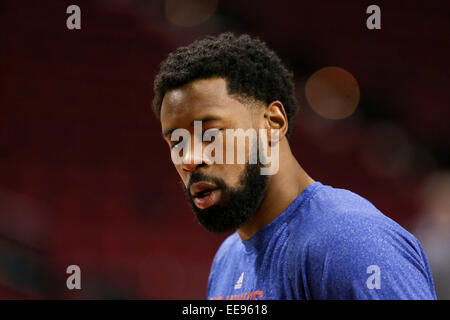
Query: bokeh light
{"points": [[332, 93], [189, 13]]}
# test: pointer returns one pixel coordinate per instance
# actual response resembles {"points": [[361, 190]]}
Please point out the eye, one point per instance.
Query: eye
{"points": [[177, 146], [208, 134]]}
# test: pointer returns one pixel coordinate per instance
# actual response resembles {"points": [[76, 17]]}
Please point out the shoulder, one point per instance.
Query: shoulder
{"points": [[337, 215], [340, 236]]}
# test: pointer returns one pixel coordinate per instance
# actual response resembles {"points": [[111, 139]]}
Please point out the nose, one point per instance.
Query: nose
{"points": [[191, 166], [193, 160]]}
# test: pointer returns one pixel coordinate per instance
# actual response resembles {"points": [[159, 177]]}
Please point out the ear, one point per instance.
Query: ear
{"points": [[275, 118]]}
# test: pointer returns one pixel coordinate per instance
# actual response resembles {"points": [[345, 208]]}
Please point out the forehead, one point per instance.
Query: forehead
{"points": [[197, 99]]}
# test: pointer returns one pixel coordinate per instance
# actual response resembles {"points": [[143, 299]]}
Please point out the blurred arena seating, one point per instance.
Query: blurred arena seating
{"points": [[86, 179]]}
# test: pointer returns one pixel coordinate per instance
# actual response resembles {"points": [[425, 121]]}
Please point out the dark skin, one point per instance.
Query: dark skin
{"points": [[209, 100]]}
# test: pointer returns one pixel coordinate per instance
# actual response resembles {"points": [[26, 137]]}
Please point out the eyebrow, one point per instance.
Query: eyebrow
{"points": [[204, 119]]}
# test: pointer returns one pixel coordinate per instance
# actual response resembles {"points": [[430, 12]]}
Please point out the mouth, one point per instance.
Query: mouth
{"points": [[205, 194]]}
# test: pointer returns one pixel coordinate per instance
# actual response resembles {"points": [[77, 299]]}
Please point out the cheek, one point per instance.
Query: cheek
{"points": [[242, 147], [230, 173]]}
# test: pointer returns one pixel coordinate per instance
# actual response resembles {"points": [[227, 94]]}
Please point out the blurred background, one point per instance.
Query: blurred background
{"points": [[86, 179]]}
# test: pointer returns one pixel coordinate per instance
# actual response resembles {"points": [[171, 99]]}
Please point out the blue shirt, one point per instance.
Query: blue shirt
{"points": [[328, 244]]}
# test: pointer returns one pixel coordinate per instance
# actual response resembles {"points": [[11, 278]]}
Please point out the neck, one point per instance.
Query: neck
{"points": [[283, 188]]}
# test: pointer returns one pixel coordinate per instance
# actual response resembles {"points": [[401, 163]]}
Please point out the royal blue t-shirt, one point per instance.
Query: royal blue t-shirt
{"points": [[328, 244]]}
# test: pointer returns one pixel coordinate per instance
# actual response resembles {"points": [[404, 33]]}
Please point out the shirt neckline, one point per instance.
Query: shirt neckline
{"points": [[262, 236]]}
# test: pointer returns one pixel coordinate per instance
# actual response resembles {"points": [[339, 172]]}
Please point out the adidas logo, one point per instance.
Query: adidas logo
{"points": [[238, 284]]}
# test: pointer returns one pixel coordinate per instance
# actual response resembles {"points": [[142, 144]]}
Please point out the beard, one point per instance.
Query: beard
{"points": [[236, 206]]}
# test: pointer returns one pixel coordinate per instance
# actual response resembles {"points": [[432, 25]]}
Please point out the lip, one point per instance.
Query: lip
{"points": [[205, 194]]}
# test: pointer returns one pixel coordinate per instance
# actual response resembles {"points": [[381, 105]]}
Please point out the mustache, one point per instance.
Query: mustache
{"points": [[198, 176]]}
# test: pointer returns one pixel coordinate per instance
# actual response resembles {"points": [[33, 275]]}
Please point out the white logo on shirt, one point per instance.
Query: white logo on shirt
{"points": [[238, 284]]}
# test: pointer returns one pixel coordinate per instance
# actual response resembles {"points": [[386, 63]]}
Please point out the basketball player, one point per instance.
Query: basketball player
{"points": [[294, 238]]}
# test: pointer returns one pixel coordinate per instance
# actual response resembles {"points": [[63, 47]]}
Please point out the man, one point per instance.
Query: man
{"points": [[295, 238]]}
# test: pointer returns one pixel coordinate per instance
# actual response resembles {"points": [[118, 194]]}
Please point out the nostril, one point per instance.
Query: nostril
{"points": [[189, 167]]}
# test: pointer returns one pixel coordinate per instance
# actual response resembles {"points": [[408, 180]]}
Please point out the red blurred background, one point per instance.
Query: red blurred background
{"points": [[86, 179]]}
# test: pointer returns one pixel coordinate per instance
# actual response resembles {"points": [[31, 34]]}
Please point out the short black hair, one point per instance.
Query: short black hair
{"points": [[249, 67]]}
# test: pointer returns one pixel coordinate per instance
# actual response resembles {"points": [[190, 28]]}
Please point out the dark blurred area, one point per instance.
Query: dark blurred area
{"points": [[85, 178]]}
